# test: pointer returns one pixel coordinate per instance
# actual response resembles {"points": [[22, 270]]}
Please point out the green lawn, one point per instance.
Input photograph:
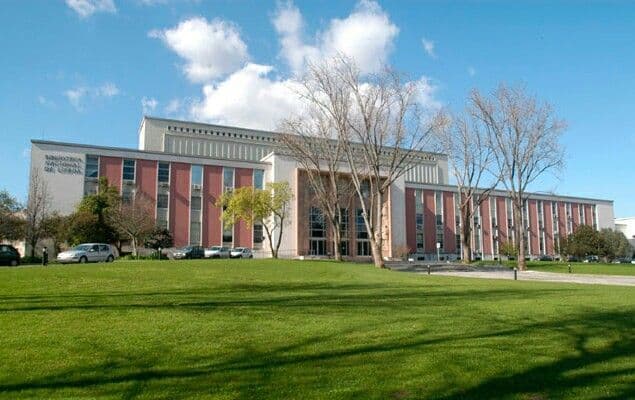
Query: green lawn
{"points": [[576, 267], [303, 330]]}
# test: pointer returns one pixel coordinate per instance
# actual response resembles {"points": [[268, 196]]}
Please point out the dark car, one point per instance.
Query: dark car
{"points": [[9, 255], [545, 258], [573, 259], [189, 252]]}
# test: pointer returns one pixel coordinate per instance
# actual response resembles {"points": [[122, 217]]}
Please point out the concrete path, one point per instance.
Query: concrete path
{"points": [[505, 273], [619, 280]]}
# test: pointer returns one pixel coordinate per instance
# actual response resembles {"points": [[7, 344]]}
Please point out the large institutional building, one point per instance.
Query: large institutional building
{"points": [[184, 166]]}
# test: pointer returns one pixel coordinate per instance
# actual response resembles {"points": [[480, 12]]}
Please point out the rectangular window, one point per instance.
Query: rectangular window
{"points": [[259, 179], [162, 218], [258, 234], [317, 224], [344, 247], [360, 226], [92, 167], [164, 172], [344, 223], [363, 245], [228, 179], [595, 217], [129, 170], [127, 194], [163, 200], [438, 205], [197, 176]]}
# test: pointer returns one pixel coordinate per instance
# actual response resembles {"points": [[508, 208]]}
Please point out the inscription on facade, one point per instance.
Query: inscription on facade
{"points": [[67, 165]]}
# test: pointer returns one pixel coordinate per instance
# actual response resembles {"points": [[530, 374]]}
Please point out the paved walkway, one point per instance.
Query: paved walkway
{"points": [[619, 280], [502, 273]]}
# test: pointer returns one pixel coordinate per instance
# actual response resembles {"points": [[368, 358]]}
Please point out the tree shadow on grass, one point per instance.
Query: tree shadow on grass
{"points": [[283, 295], [253, 373]]}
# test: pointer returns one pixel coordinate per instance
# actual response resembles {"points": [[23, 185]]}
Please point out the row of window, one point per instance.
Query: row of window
{"points": [[317, 233], [163, 193], [493, 210]]}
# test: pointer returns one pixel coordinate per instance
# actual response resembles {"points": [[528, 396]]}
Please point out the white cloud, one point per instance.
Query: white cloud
{"points": [[428, 46], [148, 105], [86, 8], [366, 35], [174, 106], [77, 95], [471, 71], [210, 49], [107, 90], [248, 98], [45, 102]]}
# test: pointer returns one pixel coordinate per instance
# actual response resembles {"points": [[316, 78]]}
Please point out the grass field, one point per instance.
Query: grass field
{"points": [[576, 267], [303, 330]]}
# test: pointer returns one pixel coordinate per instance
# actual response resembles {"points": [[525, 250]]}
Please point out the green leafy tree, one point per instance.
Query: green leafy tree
{"points": [[159, 238], [269, 207], [584, 241], [613, 244], [56, 228], [508, 249], [11, 224], [91, 222]]}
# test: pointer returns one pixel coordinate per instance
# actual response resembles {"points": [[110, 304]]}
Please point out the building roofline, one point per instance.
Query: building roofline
{"points": [[137, 151], [274, 133], [499, 192]]}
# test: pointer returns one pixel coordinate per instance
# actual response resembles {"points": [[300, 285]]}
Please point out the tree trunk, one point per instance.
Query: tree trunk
{"points": [[134, 246], [466, 233], [376, 239], [519, 229], [336, 243]]}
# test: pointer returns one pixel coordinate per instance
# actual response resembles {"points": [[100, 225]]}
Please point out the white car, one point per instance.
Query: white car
{"points": [[241, 252], [217, 252], [87, 252]]}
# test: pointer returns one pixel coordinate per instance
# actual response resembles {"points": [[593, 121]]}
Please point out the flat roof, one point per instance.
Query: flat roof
{"points": [[503, 192], [142, 152]]}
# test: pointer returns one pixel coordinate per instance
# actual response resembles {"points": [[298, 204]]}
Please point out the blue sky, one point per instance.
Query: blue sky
{"points": [[85, 71]]}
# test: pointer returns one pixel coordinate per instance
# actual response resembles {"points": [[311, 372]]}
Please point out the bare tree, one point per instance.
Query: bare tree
{"points": [[134, 219], [387, 129], [312, 141], [37, 210], [524, 137], [465, 143]]}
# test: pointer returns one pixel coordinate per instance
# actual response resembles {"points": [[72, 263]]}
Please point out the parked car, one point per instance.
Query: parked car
{"points": [[545, 258], [572, 259], [622, 261], [241, 252], [591, 259], [189, 252], [87, 252], [9, 255], [217, 252]]}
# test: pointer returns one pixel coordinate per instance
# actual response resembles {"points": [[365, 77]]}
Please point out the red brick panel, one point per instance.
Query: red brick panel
{"points": [[533, 227], [429, 222], [501, 220], [548, 227], [242, 231], [180, 203], [449, 228], [147, 179], [486, 227], [111, 168], [576, 215], [212, 189], [411, 226], [588, 214]]}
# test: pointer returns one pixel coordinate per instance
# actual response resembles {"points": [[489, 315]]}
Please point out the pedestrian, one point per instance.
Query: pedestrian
{"points": [[45, 257]]}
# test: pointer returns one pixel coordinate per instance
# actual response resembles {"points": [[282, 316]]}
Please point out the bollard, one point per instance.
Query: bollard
{"points": [[428, 269], [515, 274], [569, 268]]}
